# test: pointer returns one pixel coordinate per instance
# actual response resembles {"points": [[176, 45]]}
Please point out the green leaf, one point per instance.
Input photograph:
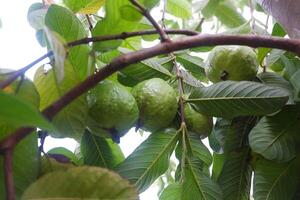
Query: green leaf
{"points": [[179, 8], [274, 181], [235, 177], [197, 185], [273, 136], [193, 64], [149, 3], [228, 15], [230, 99], [130, 13], [243, 29], [294, 80], [70, 122], [113, 23], [231, 135], [84, 6], [275, 80], [210, 8], [59, 52], [173, 191], [25, 164], [150, 160], [69, 27], [99, 151], [65, 152], [17, 112], [144, 70], [36, 15], [86, 183], [199, 150]]}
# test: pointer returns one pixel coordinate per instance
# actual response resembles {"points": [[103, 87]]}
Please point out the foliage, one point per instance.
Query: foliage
{"points": [[252, 123]]}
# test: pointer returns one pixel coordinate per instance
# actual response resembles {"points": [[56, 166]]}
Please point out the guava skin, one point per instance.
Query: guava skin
{"points": [[157, 104], [26, 89], [235, 63], [197, 122], [113, 107]]}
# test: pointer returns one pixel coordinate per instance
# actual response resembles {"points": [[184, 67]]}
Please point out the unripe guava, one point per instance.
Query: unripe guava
{"points": [[231, 63], [113, 107], [50, 165], [197, 122], [24, 89], [157, 103]]}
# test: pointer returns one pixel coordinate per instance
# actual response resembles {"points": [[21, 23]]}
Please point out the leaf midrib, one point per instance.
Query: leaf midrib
{"points": [[157, 158]]}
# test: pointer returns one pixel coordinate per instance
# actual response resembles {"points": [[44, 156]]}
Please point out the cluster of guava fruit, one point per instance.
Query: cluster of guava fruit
{"points": [[151, 105]]}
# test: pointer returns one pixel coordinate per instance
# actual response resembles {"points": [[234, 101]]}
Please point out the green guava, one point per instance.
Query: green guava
{"points": [[113, 107], [157, 103], [197, 122], [50, 165], [22, 88], [231, 63]]}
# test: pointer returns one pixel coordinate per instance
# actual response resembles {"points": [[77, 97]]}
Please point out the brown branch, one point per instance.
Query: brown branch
{"points": [[89, 22], [21, 71], [87, 40], [164, 48], [126, 35], [9, 178], [163, 36]]}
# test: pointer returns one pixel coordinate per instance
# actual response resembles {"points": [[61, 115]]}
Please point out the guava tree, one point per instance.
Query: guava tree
{"points": [[239, 88]]}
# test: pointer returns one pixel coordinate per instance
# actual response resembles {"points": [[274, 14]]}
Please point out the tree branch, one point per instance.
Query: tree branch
{"points": [[163, 48], [21, 71], [87, 40], [163, 36], [9, 179]]}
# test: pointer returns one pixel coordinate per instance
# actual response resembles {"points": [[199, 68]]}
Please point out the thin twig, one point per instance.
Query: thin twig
{"points": [[9, 178], [163, 48], [89, 22], [21, 71], [163, 36], [163, 18]]}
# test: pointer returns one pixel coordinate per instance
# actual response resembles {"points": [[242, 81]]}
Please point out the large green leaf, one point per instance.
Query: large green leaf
{"points": [[228, 15], [144, 70], [69, 27], [197, 185], [273, 79], [173, 191], [273, 137], [235, 177], [230, 99], [25, 164], [193, 64], [84, 6], [81, 183], [14, 111], [150, 160], [99, 151], [198, 149], [179, 8], [273, 181], [70, 122]]}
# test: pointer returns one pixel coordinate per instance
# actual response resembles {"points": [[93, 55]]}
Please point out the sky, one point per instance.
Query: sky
{"points": [[19, 47]]}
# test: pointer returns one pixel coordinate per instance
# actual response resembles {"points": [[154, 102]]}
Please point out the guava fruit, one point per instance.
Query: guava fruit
{"points": [[157, 103], [49, 164], [113, 107], [197, 122], [24, 89], [231, 63]]}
